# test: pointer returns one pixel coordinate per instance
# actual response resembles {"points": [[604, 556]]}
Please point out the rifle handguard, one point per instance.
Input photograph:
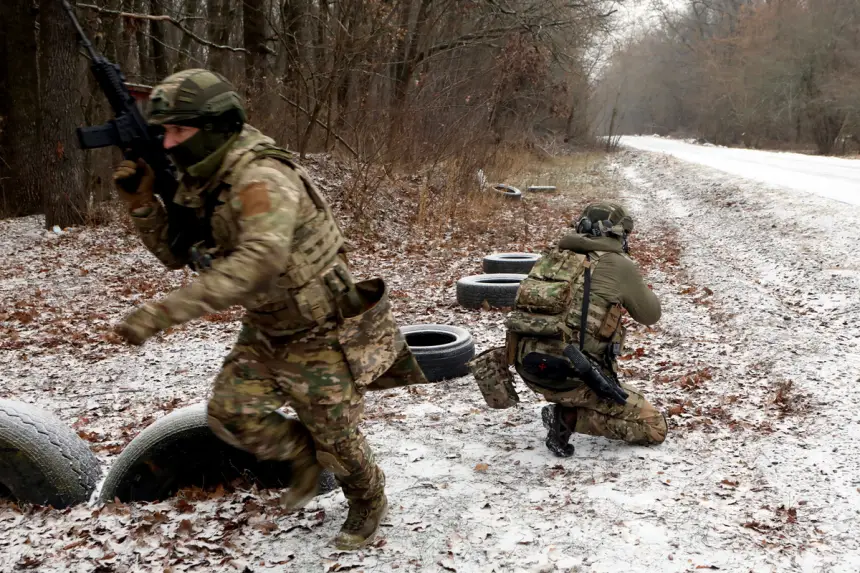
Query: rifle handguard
{"points": [[595, 379]]}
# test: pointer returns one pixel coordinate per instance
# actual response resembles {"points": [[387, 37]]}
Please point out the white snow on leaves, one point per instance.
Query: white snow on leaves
{"points": [[747, 480]]}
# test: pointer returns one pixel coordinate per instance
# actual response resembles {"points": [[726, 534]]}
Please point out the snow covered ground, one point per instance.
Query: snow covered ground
{"points": [[832, 177], [754, 362]]}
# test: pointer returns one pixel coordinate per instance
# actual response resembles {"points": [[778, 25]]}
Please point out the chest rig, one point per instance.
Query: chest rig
{"points": [[553, 307], [316, 241]]}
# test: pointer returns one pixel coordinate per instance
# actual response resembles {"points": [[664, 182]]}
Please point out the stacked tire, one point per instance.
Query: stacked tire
{"points": [[442, 351], [494, 290], [509, 263]]}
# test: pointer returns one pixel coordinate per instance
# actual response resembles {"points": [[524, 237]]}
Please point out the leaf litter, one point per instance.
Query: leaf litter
{"points": [[473, 489]]}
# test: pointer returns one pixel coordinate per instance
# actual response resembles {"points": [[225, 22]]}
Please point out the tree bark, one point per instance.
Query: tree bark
{"points": [[60, 159], [147, 72], [158, 41], [20, 169], [185, 43], [293, 13], [254, 33], [218, 31]]}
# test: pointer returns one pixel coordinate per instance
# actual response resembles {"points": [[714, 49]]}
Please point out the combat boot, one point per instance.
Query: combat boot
{"points": [[304, 487], [558, 431], [362, 523]]}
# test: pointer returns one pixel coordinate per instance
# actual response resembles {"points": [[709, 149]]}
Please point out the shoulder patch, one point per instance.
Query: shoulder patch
{"points": [[255, 199]]}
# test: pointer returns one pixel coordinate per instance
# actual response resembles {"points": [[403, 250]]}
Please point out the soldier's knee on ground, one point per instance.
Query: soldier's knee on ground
{"points": [[659, 429], [654, 424]]}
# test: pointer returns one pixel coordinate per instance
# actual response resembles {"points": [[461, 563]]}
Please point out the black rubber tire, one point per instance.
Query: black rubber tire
{"points": [[42, 460], [442, 351], [499, 290], [510, 263], [180, 450], [508, 191]]}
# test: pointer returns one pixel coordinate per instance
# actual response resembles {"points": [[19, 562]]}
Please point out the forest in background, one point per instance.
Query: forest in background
{"points": [[396, 83], [759, 73]]}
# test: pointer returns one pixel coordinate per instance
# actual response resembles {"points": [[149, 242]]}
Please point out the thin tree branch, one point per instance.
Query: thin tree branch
{"points": [[320, 123], [161, 18]]}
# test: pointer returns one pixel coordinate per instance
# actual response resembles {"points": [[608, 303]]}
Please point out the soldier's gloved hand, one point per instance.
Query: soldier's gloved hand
{"points": [[143, 323], [134, 182]]}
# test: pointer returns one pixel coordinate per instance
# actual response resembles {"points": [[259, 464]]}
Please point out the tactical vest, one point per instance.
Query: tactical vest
{"points": [[305, 294], [549, 302], [316, 242]]}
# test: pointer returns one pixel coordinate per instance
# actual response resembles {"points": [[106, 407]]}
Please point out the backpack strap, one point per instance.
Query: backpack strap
{"points": [[266, 150], [586, 295]]}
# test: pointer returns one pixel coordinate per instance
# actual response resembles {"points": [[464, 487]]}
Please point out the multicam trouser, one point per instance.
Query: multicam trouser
{"points": [[309, 372], [637, 422]]}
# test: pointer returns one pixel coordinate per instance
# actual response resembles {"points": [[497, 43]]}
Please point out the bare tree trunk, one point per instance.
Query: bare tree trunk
{"points": [[147, 72], [20, 169], [185, 44], [254, 34], [350, 23], [111, 26], [293, 14], [218, 31], [60, 160], [123, 51], [159, 41]]}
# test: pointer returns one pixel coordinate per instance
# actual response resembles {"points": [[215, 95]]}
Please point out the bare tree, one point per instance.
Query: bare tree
{"points": [[60, 160], [158, 43], [20, 167]]}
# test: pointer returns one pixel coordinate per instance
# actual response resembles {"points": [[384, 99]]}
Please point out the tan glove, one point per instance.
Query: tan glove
{"points": [[142, 323], [134, 183]]}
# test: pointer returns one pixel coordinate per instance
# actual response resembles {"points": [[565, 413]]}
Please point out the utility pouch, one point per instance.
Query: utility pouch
{"points": [[368, 333], [610, 323], [494, 378]]}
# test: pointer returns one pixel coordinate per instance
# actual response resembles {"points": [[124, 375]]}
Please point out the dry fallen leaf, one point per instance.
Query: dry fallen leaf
{"points": [[482, 467]]}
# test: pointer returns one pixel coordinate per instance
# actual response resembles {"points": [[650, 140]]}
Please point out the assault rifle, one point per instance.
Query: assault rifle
{"points": [[129, 131], [574, 364]]}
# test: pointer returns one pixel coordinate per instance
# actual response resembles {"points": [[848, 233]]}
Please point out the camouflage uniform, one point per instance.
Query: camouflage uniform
{"points": [[615, 284], [276, 249]]}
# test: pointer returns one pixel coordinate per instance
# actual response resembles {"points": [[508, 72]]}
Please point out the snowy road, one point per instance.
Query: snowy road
{"points": [[830, 177]]}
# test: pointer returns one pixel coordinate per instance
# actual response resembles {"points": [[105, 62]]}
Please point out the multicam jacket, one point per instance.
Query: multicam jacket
{"points": [[276, 243]]}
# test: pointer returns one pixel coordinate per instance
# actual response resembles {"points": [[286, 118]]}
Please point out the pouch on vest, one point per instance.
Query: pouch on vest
{"points": [[494, 378], [611, 322], [547, 290], [369, 335], [535, 324]]}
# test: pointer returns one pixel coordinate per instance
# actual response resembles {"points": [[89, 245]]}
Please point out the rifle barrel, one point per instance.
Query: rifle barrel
{"points": [[81, 35]]}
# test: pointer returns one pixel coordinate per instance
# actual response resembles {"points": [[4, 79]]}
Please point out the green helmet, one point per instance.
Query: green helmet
{"points": [[201, 99], [194, 97], [605, 218]]}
